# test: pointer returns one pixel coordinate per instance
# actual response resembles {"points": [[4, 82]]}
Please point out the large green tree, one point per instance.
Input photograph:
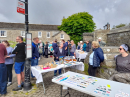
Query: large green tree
{"points": [[76, 24]]}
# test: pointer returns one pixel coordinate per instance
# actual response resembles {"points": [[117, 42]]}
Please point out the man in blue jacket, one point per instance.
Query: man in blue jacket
{"points": [[59, 52], [35, 53]]}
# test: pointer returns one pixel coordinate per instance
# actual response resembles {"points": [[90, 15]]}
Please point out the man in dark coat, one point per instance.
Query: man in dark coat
{"points": [[46, 50], [35, 54], [88, 46], [54, 45], [19, 62]]}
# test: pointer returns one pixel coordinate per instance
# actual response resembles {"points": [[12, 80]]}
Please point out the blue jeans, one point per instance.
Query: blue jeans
{"points": [[9, 72], [34, 62], [55, 72], [3, 79], [43, 52], [71, 53]]}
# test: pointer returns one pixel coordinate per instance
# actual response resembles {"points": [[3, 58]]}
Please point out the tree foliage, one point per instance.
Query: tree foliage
{"points": [[120, 25], [77, 24]]}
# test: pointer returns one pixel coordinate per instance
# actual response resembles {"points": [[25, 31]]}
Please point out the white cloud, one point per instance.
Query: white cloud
{"points": [[107, 10]]}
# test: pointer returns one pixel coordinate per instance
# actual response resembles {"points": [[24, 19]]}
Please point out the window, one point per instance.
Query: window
{"points": [[62, 36], [1, 41], [3, 34], [23, 33], [48, 35], [39, 34]]}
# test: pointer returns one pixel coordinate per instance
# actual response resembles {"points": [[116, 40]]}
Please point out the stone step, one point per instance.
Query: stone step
{"points": [[110, 49], [110, 56], [108, 64]]}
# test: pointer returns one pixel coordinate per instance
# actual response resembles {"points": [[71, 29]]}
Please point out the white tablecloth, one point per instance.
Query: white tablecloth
{"points": [[38, 73], [94, 86], [81, 56]]}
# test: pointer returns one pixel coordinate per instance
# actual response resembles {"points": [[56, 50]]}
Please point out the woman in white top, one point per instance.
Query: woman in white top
{"points": [[81, 45]]}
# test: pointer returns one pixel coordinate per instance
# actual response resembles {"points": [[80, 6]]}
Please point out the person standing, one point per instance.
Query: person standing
{"points": [[84, 47], [78, 47], [88, 46], [3, 70], [73, 48], [40, 48], [101, 43], [51, 49], [19, 62], [54, 45], [43, 49], [46, 50], [69, 47], [9, 61], [96, 57], [59, 52], [81, 45], [35, 54], [64, 45]]}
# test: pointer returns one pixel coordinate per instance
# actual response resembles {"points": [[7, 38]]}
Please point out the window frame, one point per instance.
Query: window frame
{"points": [[38, 34], [61, 37], [5, 32], [47, 34], [22, 33]]}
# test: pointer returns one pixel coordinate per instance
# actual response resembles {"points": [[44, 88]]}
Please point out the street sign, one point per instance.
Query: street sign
{"points": [[21, 7], [28, 45]]}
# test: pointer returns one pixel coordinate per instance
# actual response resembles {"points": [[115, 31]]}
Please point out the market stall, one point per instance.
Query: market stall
{"points": [[38, 70], [92, 85], [80, 54]]}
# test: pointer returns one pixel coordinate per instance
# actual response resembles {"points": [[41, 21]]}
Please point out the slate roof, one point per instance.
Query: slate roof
{"points": [[32, 27]]}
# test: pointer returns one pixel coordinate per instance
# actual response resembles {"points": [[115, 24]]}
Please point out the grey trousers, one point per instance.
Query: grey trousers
{"points": [[121, 77]]}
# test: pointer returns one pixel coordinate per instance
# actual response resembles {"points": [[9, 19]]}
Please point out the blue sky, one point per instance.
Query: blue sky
{"points": [[52, 11]]}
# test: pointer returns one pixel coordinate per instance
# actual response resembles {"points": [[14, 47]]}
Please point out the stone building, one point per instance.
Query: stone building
{"points": [[9, 31]]}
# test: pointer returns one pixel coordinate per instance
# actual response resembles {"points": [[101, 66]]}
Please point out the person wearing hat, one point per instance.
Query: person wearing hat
{"points": [[101, 43], [122, 73], [81, 45]]}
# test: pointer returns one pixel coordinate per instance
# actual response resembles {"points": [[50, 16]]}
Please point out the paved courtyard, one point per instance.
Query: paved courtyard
{"points": [[52, 89]]}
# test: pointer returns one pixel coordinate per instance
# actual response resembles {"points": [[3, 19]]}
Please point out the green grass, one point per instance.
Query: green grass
{"points": [[86, 69]]}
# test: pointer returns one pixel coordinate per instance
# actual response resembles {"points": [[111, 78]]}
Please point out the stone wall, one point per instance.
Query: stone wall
{"points": [[102, 34], [119, 36], [12, 34], [95, 35], [88, 36]]}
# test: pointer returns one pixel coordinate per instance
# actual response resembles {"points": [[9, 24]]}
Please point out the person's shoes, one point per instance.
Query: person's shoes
{"points": [[22, 85], [9, 83], [2, 95], [17, 89]]}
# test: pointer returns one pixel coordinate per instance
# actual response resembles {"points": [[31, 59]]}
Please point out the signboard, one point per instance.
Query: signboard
{"points": [[21, 7], [28, 45]]}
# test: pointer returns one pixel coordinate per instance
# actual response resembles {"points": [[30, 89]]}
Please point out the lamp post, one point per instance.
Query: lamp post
{"points": [[27, 83]]}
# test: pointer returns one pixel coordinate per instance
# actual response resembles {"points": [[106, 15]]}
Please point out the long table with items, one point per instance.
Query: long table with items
{"points": [[80, 54], [92, 85], [37, 72]]}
